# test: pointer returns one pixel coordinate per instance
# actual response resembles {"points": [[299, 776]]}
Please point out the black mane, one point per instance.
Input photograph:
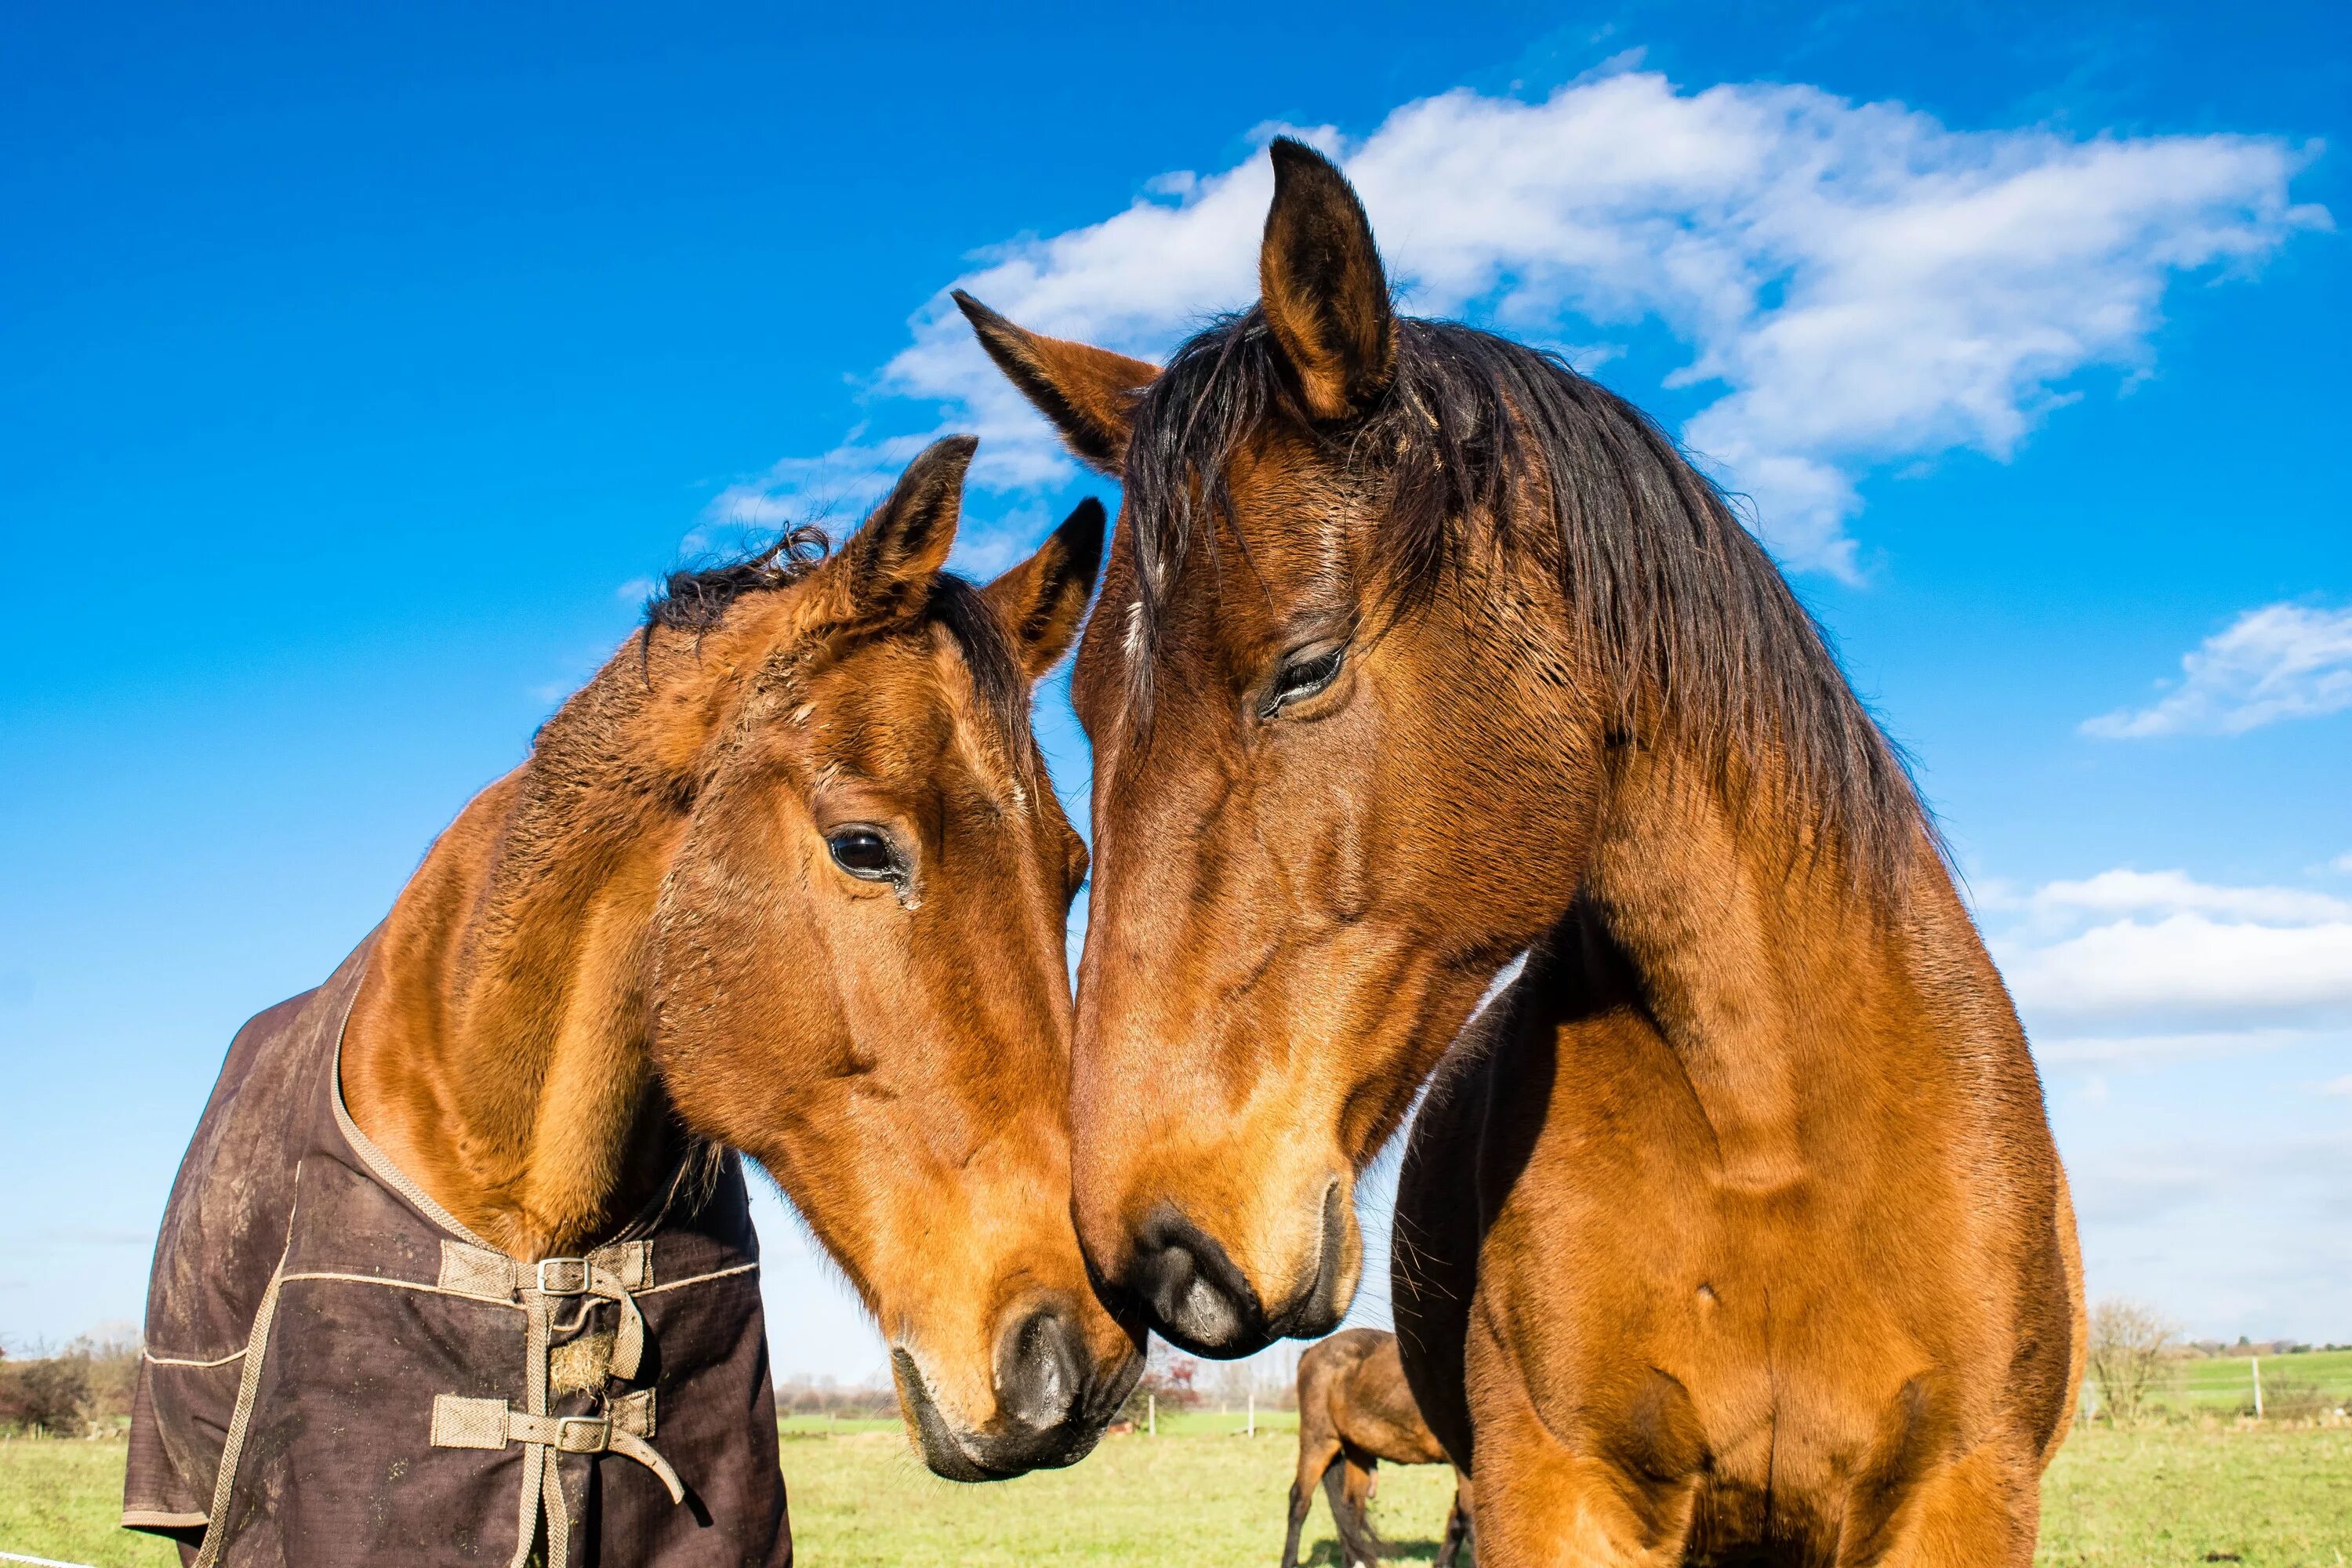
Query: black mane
{"points": [[696, 600], [1678, 603]]}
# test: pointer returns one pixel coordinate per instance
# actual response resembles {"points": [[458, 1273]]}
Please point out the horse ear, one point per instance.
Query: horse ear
{"points": [[1087, 393], [888, 564], [1042, 600], [1326, 295]]}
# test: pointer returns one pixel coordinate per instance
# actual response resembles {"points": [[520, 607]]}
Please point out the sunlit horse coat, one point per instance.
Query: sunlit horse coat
{"points": [[338, 1372]]}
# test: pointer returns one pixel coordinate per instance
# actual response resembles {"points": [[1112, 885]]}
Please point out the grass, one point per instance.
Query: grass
{"points": [[2163, 1495], [59, 1497], [2267, 1497]]}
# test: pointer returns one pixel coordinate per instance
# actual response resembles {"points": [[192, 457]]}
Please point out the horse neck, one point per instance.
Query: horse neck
{"points": [[1767, 965], [496, 1052]]}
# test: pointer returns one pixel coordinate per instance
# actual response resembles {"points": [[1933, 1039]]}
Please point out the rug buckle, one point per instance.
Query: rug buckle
{"points": [[571, 1277]]}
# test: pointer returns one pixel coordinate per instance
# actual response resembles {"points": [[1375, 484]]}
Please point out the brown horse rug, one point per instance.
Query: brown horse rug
{"points": [[339, 1372]]}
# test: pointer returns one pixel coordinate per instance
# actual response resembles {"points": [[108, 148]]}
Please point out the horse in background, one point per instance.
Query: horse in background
{"points": [[1355, 1410], [786, 877], [1417, 654]]}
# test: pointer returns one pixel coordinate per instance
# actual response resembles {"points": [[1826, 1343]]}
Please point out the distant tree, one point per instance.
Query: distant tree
{"points": [[826, 1396], [1171, 1380], [49, 1395], [110, 1358], [2130, 1354]]}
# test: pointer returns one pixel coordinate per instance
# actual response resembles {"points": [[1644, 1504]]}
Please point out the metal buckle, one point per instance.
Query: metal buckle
{"points": [[575, 1284], [597, 1424]]}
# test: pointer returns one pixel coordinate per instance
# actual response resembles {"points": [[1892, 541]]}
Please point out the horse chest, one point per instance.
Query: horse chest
{"points": [[379, 1385]]}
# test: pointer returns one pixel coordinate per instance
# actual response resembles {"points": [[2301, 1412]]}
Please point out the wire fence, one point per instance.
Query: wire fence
{"points": [[2292, 1386]]}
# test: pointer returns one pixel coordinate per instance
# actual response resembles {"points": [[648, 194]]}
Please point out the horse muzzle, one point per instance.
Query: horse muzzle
{"points": [[1199, 1301], [1052, 1400]]}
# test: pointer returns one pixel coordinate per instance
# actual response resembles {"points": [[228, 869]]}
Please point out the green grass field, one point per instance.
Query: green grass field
{"points": [[2225, 1383], [1195, 1495]]}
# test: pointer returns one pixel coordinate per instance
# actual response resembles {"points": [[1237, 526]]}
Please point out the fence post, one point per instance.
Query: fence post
{"points": [[1252, 1412], [1151, 1415], [2258, 1385]]}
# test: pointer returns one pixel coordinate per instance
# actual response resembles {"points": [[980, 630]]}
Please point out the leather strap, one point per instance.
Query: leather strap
{"points": [[462, 1423]]}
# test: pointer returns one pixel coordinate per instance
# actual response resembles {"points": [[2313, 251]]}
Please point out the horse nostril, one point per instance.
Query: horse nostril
{"points": [[1042, 1376], [1197, 1297], [1318, 1311]]}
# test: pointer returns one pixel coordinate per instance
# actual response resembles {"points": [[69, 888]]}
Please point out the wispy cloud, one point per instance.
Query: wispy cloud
{"points": [[2177, 892], [2282, 661], [2149, 1185], [1861, 285], [2146, 1050], [841, 484]]}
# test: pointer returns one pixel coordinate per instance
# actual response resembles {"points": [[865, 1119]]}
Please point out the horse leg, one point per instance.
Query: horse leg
{"points": [[1458, 1524], [1567, 1511], [1540, 1502], [1315, 1461], [1980, 1510], [1348, 1486]]}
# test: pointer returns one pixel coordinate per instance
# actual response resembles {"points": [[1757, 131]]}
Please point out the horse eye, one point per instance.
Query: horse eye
{"points": [[1303, 676], [861, 852]]}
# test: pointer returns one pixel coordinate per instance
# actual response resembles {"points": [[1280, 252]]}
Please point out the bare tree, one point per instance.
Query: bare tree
{"points": [[2130, 1356], [1270, 1377]]}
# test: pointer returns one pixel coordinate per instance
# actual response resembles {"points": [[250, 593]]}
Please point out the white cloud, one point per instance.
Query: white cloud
{"points": [[2282, 661], [840, 487], [1863, 285], [2189, 965], [2094, 963], [2269, 1205], [2190, 1031], [2173, 892]]}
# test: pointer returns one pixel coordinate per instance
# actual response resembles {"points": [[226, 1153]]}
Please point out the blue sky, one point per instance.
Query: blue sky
{"points": [[356, 374]]}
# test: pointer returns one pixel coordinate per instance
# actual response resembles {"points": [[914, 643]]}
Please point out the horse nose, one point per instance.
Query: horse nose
{"points": [[1041, 1378], [1198, 1300], [1055, 1392]]}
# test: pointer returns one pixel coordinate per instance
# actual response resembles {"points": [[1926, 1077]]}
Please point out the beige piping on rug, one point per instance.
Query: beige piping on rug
{"points": [[154, 1360]]}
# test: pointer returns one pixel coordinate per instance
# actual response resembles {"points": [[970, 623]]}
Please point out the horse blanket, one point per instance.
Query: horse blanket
{"points": [[339, 1372]]}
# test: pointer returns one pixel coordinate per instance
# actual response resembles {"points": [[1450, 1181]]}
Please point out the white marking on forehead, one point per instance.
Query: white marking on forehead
{"points": [[1331, 545]]}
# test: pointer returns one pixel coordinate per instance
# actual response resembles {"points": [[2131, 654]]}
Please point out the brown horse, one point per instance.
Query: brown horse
{"points": [[1418, 652], [1355, 1410], [787, 877]]}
